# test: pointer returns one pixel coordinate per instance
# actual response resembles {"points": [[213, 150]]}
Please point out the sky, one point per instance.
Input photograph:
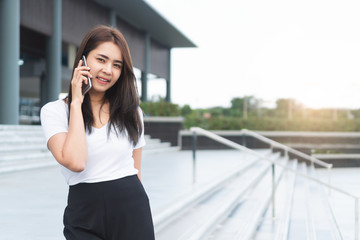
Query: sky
{"points": [[307, 50]]}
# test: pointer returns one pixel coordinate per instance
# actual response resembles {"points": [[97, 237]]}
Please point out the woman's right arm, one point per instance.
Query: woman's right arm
{"points": [[70, 149]]}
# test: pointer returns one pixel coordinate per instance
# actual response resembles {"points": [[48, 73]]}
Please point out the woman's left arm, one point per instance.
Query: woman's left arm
{"points": [[137, 160]]}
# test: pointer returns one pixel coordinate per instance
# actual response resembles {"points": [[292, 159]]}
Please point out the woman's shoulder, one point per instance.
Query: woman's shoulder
{"points": [[54, 118], [141, 113], [140, 110], [58, 106], [55, 104]]}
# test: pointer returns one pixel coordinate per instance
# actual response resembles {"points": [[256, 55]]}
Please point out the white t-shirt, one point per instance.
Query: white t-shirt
{"points": [[109, 158]]}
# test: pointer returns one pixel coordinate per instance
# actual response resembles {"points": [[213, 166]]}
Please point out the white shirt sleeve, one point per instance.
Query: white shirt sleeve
{"points": [[141, 142], [54, 118]]}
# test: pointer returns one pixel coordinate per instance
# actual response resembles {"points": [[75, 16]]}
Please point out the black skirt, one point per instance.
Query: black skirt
{"points": [[111, 210]]}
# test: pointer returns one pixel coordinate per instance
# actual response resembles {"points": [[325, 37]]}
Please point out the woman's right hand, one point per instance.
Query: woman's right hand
{"points": [[80, 76], [70, 148]]}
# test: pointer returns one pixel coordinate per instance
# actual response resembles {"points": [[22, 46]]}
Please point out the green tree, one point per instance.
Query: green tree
{"points": [[186, 110]]}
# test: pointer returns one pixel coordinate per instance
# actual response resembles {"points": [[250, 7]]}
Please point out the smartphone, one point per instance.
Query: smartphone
{"points": [[85, 87]]}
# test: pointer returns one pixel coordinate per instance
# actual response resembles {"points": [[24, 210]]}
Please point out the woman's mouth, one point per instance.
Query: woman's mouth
{"points": [[102, 80]]}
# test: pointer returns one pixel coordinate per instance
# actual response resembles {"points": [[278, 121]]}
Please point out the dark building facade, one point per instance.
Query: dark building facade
{"points": [[39, 39]]}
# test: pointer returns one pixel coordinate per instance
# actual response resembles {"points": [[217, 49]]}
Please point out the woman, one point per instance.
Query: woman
{"points": [[98, 138]]}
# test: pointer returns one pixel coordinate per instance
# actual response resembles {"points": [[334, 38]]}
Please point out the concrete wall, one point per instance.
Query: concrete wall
{"points": [[165, 128]]}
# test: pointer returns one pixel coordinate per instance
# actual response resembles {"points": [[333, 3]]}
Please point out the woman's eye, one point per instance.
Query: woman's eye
{"points": [[101, 60], [117, 66]]}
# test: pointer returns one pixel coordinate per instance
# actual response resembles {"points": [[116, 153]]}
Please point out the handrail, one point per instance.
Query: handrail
{"points": [[197, 130], [248, 150], [286, 148]]}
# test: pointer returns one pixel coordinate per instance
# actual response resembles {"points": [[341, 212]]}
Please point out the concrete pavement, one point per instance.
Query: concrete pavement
{"points": [[32, 201]]}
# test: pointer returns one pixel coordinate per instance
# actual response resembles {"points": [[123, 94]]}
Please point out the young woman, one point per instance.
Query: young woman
{"points": [[98, 138]]}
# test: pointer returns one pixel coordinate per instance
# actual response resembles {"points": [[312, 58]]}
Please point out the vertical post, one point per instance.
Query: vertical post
{"points": [[53, 55], [71, 51], [112, 18], [145, 72], [329, 180], [9, 61], [168, 80], [287, 158], [194, 142], [43, 90], [311, 161], [273, 189], [244, 139], [356, 219]]}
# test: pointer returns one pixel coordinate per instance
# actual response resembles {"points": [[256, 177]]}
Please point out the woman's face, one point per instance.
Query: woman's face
{"points": [[105, 64]]}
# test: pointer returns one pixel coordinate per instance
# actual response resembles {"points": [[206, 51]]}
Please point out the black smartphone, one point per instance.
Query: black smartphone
{"points": [[85, 87]]}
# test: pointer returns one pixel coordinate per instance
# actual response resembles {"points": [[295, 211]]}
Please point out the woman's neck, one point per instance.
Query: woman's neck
{"points": [[100, 109], [97, 99]]}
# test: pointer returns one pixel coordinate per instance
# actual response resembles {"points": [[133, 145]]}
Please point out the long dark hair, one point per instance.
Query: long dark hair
{"points": [[122, 96]]}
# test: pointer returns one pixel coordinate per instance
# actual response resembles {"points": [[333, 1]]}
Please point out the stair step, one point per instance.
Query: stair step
{"points": [[24, 147], [243, 221], [343, 206], [277, 228], [156, 144], [311, 216], [160, 150], [202, 215], [24, 156], [326, 226], [164, 217], [22, 139], [27, 165], [300, 222]]}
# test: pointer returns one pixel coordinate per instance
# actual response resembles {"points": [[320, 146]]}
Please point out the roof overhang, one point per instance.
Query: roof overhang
{"points": [[142, 16]]}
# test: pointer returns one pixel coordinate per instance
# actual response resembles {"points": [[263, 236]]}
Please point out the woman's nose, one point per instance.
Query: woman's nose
{"points": [[107, 68]]}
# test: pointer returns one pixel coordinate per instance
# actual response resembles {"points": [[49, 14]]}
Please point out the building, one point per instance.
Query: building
{"points": [[39, 38]]}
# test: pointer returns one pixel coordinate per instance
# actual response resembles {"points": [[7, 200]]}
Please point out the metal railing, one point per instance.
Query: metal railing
{"points": [[287, 149], [199, 131], [273, 144]]}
